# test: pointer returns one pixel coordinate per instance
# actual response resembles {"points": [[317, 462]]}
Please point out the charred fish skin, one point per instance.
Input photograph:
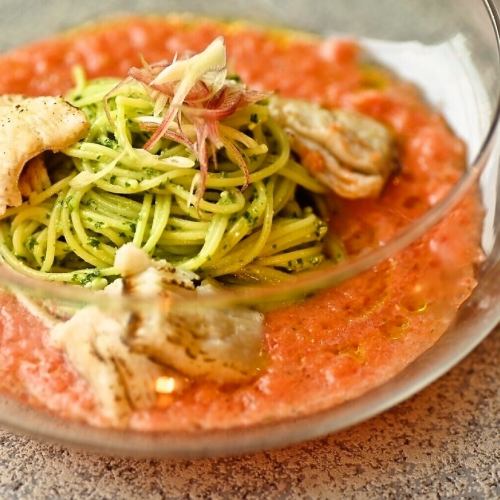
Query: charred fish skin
{"points": [[221, 346], [77, 338], [350, 153]]}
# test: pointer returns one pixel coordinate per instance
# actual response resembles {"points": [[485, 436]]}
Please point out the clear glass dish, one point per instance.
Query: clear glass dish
{"points": [[454, 48]]}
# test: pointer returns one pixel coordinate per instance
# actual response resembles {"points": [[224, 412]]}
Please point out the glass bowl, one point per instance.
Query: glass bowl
{"points": [[454, 50]]}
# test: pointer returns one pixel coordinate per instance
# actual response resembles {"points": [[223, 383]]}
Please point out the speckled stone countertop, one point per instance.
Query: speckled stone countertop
{"points": [[442, 443]]}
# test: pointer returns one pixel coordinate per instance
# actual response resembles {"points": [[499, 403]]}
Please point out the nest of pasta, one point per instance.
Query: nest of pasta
{"points": [[206, 181]]}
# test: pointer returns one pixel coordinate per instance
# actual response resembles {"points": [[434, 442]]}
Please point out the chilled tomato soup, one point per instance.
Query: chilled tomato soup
{"points": [[320, 351]]}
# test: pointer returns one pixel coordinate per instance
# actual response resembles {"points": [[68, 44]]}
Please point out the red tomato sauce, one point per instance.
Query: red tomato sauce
{"points": [[336, 345]]}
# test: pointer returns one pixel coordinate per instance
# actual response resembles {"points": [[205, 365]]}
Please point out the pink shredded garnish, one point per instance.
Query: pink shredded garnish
{"points": [[214, 134], [234, 153], [162, 130], [169, 134], [204, 107], [199, 93]]}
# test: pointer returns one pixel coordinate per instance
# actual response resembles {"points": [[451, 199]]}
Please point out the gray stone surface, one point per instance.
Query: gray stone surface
{"points": [[442, 443]]}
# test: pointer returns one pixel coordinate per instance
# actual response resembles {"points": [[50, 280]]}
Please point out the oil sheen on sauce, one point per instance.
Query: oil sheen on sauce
{"points": [[336, 345]]}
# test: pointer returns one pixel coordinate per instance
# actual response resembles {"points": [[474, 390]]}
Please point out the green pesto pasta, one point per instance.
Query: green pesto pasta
{"points": [[107, 190]]}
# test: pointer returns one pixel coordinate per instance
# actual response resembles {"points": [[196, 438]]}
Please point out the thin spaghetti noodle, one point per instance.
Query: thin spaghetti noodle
{"points": [[108, 190]]}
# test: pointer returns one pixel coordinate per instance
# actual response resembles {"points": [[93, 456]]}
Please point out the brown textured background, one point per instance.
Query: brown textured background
{"points": [[442, 443]]}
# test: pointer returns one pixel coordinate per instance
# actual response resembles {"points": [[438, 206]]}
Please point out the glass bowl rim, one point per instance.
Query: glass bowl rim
{"points": [[40, 424], [43, 425]]}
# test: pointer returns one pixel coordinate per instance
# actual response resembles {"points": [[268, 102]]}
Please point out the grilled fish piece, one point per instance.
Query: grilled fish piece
{"points": [[76, 337], [220, 345], [350, 153], [123, 354], [29, 126], [34, 177], [120, 380]]}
